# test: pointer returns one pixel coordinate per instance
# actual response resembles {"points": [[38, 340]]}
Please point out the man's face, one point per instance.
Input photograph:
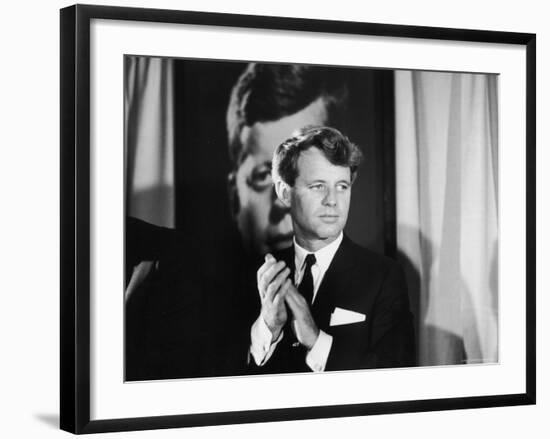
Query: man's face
{"points": [[319, 200], [264, 221]]}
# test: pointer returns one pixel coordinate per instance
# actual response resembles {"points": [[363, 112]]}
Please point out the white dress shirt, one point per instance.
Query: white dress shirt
{"points": [[262, 346]]}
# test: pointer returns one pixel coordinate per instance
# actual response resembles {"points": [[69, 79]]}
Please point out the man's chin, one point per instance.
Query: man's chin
{"points": [[329, 232]]}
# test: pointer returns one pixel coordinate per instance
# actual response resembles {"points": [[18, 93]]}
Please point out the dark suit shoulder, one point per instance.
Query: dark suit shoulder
{"points": [[361, 257]]}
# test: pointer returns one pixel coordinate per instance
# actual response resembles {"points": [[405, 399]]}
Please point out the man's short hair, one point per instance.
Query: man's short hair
{"points": [[336, 147], [269, 92]]}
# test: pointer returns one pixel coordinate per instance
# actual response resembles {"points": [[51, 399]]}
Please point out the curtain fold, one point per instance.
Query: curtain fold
{"points": [[447, 211], [149, 139]]}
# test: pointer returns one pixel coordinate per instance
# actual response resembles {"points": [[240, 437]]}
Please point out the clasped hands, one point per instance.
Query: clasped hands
{"points": [[277, 292]]}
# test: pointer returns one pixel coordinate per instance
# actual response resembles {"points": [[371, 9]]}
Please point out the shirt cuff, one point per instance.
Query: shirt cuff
{"points": [[261, 343], [317, 357]]}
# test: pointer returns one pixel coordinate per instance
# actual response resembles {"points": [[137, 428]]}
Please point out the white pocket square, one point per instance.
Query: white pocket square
{"points": [[342, 316]]}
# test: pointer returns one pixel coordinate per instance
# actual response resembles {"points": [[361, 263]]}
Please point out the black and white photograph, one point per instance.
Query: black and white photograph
{"points": [[294, 218], [276, 218], [268, 220]]}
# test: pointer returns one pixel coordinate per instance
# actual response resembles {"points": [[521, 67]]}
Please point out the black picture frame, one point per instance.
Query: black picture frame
{"points": [[75, 217]]}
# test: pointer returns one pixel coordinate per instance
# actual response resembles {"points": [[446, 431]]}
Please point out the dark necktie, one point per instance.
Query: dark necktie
{"points": [[298, 352], [306, 286]]}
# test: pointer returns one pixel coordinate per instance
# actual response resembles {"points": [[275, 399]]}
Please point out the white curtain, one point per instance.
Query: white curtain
{"points": [[447, 211], [149, 139]]}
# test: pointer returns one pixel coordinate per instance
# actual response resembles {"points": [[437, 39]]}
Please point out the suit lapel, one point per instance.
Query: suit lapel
{"points": [[333, 282]]}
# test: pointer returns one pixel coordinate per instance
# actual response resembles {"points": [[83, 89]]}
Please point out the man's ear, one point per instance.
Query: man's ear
{"points": [[232, 194], [283, 192]]}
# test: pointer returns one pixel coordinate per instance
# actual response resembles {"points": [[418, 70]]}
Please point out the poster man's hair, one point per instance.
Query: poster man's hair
{"points": [[269, 92]]}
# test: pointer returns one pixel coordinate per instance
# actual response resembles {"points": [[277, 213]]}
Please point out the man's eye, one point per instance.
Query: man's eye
{"points": [[343, 187], [317, 187], [260, 179]]}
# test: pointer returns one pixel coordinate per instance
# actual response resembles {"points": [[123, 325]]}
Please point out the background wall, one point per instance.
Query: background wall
{"points": [[29, 238]]}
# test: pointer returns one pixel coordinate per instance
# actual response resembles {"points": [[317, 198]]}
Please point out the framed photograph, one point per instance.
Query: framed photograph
{"points": [[267, 218]]}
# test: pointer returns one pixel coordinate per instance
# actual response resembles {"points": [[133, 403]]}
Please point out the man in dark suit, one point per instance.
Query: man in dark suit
{"points": [[326, 303], [187, 302], [190, 304]]}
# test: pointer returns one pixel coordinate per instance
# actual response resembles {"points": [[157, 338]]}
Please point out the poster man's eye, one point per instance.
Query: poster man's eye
{"points": [[260, 178]]}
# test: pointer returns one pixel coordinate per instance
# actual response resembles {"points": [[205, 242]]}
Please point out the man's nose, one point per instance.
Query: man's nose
{"points": [[278, 209], [330, 197]]}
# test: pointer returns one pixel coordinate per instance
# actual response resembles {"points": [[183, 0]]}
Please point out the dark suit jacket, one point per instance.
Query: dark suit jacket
{"points": [[364, 282], [189, 317]]}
